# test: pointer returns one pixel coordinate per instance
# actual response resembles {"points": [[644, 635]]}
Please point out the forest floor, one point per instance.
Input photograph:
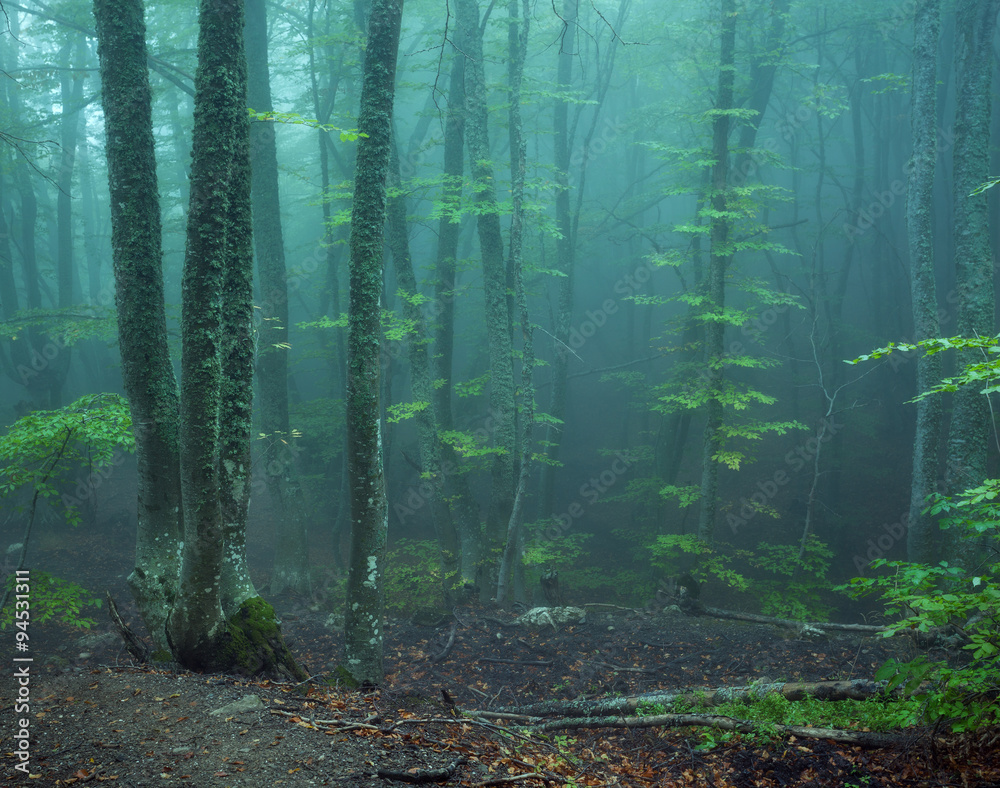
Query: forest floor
{"points": [[97, 718]]}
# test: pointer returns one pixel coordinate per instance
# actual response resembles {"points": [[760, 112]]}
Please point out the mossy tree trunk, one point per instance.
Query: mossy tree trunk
{"points": [[971, 424], [919, 202], [291, 554], [218, 622], [147, 373], [369, 514]]}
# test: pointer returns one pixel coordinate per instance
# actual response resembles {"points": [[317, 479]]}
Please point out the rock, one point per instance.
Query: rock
{"points": [[553, 616]]}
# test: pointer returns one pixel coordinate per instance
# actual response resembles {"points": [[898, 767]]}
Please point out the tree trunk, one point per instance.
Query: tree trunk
{"points": [[422, 385], [465, 510], [919, 203], [715, 326], [971, 424], [147, 372], [518, 38], [363, 625], [565, 257], [291, 553], [502, 412], [218, 622]]}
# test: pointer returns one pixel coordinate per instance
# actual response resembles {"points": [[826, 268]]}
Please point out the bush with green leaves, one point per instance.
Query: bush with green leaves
{"points": [[413, 577], [48, 451], [51, 597], [787, 581], [959, 604]]}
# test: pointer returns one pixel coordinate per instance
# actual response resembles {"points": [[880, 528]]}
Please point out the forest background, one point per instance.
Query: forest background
{"points": [[714, 217]]}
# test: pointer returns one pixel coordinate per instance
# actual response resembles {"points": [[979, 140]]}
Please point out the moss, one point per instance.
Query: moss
{"points": [[341, 677], [161, 655], [253, 644]]}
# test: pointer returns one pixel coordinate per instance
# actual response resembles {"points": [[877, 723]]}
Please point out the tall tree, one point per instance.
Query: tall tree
{"points": [[719, 259], [291, 554], [919, 203], [498, 317], [217, 621], [369, 513], [565, 252], [464, 510], [147, 372], [422, 382], [518, 25], [971, 425]]}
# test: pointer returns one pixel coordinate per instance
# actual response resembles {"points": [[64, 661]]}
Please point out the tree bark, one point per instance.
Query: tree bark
{"points": [[919, 203], [971, 424], [363, 625], [218, 623], [565, 257], [147, 372], [291, 553], [518, 42], [497, 318]]}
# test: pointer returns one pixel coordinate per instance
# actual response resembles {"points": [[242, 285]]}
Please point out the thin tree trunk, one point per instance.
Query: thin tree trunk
{"points": [[291, 553], [919, 203], [147, 372], [565, 257], [518, 38], [363, 632], [465, 510], [422, 384], [497, 318], [715, 326]]}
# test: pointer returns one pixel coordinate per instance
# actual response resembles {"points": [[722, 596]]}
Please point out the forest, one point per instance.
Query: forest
{"points": [[590, 307]]}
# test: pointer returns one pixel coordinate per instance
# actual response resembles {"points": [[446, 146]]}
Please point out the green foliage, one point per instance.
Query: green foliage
{"points": [[984, 374], [468, 445], [47, 449], [48, 597], [770, 709], [784, 584], [559, 553], [402, 411], [346, 135], [413, 577], [949, 599], [799, 582], [64, 326]]}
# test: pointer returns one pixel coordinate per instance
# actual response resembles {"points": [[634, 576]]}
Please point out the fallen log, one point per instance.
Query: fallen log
{"points": [[860, 738], [716, 612], [855, 689]]}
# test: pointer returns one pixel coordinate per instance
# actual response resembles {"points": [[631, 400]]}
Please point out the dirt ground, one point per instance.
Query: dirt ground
{"points": [[95, 717]]}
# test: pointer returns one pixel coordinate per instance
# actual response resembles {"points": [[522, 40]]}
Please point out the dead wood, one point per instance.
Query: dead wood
{"points": [[423, 775], [856, 689], [860, 738], [447, 646], [715, 612], [135, 645]]}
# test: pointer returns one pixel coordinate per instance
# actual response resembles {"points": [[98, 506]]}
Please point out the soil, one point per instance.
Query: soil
{"points": [[96, 717]]}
